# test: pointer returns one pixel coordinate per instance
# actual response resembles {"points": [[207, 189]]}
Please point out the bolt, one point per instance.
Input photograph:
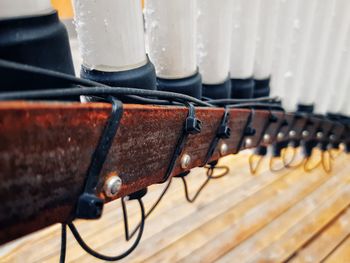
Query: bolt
{"points": [[112, 186], [267, 138], [319, 135], [223, 149], [248, 142], [280, 136], [305, 134], [292, 133], [185, 161]]}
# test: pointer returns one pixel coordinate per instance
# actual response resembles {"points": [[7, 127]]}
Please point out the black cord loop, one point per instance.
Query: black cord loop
{"points": [[90, 206], [223, 132], [192, 125]]}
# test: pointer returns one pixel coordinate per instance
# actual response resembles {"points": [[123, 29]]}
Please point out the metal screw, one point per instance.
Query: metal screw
{"points": [[185, 161], [280, 136], [319, 135], [305, 134], [267, 138], [112, 186], [223, 149], [292, 133], [248, 142], [332, 137]]}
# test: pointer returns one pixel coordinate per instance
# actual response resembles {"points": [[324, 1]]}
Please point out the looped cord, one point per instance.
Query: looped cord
{"points": [[148, 213], [336, 155], [272, 164], [326, 162], [255, 168], [307, 167], [210, 175], [98, 255], [286, 162]]}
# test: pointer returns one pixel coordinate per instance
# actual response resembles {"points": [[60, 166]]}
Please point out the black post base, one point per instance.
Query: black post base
{"points": [[217, 91], [191, 86], [143, 77], [242, 88], [261, 88]]}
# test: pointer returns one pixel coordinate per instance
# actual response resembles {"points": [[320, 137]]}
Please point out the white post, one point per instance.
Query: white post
{"points": [[244, 33], [19, 8], [331, 62], [303, 22], [285, 29], [171, 36], [315, 51], [214, 40], [110, 34], [266, 38]]}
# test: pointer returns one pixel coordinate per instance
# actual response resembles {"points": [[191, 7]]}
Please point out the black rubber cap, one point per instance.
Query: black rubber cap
{"points": [[242, 88], [261, 150], [191, 86], [143, 77], [217, 91], [261, 88], [305, 108], [40, 41]]}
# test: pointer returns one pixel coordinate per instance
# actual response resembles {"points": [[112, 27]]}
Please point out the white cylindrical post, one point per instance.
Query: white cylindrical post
{"points": [[171, 35], [266, 39], [303, 23], [110, 34], [214, 29], [244, 36], [112, 44], [315, 51], [245, 25], [214, 39], [326, 78], [285, 29], [19, 8], [339, 91]]}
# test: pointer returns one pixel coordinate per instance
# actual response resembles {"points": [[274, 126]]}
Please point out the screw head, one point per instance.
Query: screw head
{"points": [[319, 135], [305, 134], [332, 137], [248, 142], [267, 138], [185, 161], [223, 149], [292, 133], [280, 136], [112, 186]]}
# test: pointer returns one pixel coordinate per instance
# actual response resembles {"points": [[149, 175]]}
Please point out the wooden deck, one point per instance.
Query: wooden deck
{"points": [[288, 216]]}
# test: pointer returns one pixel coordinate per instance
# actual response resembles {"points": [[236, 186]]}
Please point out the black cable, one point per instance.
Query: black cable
{"points": [[257, 105], [210, 176], [99, 91], [233, 101], [93, 88], [94, 253], [149, 212], [63, 243]]}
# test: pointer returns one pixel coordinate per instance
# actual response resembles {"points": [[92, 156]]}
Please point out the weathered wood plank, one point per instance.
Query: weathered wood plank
{"points": [[45, 150], [342, 254], [242, 220], [274, 231], [298, 235], [326, 242]]}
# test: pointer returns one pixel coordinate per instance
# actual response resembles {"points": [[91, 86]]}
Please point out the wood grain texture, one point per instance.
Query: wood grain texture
{"points": [[45, 151]]}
